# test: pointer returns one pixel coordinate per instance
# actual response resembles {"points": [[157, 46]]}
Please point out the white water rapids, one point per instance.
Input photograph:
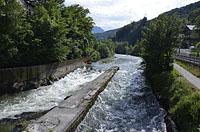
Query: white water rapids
{"points": [[45, 98], [126, 105]]}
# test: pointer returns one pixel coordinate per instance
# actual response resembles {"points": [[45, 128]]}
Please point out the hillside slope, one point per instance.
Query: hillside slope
{"points": [[132, 32], [185, 11], [97, 29], [106, 35]]}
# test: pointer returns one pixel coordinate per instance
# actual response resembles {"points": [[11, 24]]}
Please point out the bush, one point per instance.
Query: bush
{"points": [[104, 51], [105, 48], [123, 48], [95, 56], [180, 98], [187, 113]]}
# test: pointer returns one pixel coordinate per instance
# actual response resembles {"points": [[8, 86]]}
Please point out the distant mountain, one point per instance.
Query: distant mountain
{"points": [[132, 32], [106, 35], [97, 29]]}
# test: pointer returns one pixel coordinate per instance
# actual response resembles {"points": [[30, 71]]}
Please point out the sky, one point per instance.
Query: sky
{"points": [[112, 14]]}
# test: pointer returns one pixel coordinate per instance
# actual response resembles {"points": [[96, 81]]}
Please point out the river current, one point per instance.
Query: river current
{"points": [[47, 97], [126, 105]]}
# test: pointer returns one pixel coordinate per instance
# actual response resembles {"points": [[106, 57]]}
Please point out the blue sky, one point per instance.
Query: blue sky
{"points": [[111, 14]]}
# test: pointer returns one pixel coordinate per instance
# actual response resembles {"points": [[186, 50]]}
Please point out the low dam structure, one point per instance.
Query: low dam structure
{"points": [[68, 114], [18, 79], [78, 102]]}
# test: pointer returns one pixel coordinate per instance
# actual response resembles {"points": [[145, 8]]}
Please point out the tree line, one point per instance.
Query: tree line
{"points": [[157, 46], [51, 32], [176, 95]]}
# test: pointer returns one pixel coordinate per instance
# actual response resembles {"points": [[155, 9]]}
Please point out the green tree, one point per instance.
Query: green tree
{"points": [[198, 25], [14, 29], [193, 15], [198, 49], [51, 33], [131, 33], [103, 50], [95, 56], [159, 41], [49, 41], [79, 26], [106, 48], [137, 49], [198, 21], [122, 48]]}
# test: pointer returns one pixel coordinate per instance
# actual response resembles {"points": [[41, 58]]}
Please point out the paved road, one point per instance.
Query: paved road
{"points": [[190, 77]]}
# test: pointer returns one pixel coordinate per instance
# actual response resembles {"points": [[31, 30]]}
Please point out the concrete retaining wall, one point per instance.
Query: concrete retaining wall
{"points": [[24, 78], [67, 116]]}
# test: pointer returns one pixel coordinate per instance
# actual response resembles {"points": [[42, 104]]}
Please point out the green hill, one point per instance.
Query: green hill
{"points": [[188, 12], [132, 32], [106, 35]]}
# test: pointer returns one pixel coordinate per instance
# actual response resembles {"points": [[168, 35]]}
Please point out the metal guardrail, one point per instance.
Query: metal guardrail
{"points": [[190, 59]]}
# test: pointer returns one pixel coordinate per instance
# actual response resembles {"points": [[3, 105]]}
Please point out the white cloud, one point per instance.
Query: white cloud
{"points": [[110, 14]]}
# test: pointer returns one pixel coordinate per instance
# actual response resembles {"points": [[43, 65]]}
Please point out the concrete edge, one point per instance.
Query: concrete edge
{"points": [[15, 80], [67, 116]]}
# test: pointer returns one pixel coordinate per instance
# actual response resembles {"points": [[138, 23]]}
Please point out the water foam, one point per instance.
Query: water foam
{"points": [[44, 98], [127, 104]]}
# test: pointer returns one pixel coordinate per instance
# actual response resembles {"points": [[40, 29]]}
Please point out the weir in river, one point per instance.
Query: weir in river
{"points": [[45, 98], [127, 104]]}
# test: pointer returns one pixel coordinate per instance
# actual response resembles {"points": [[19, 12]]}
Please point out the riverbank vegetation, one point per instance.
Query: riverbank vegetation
{"points": [[50, 32], [159, 41], [175, 93], [125, 48], [179, 98], [195, 70]]}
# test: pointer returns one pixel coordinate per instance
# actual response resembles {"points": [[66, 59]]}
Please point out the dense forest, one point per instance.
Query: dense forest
{"points": [[186, 12], [50, 32], [132, 32], [106, 35], [179, 98]]}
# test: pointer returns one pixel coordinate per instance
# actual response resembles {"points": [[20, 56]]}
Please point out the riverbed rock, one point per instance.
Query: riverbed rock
{"points": [[69, 113]]}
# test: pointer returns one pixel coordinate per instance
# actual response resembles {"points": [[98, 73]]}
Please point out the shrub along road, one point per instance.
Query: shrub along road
{"points": [[190, 77]]}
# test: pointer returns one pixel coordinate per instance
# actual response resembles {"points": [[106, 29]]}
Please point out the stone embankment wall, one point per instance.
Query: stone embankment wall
{"points": [[24, 78], [67, 116]]}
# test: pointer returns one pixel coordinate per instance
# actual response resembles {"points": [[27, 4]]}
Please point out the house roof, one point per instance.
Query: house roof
{"points": [[190, 27]]}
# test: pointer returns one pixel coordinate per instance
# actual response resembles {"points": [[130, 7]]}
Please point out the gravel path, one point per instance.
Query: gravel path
{"points": [[190, 77]]}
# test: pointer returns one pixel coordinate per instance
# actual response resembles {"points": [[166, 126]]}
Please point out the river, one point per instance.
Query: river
{"points": [[47, 97], [126, 105]]}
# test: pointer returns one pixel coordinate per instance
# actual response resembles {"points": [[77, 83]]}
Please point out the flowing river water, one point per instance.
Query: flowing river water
{"points": [[126, 105], [45, 98]]}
